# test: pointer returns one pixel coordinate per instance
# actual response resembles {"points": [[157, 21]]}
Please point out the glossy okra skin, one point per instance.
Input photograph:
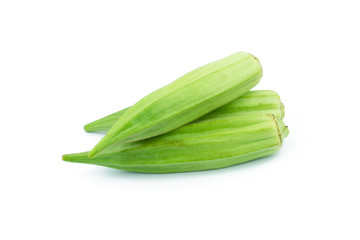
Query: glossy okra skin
{"points": [[251, 103], [202, 145], [184, 100]]}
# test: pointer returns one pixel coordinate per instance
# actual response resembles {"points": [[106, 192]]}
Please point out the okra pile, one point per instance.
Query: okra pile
{"points": [[206, 119]]}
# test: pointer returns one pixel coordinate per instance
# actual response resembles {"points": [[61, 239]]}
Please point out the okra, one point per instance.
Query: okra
{"points": [[251, 103], [184, 100], [202, 145]]}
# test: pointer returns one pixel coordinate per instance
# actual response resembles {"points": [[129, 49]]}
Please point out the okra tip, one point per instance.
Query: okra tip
{"points": [[92, 153], [88, 127], [105, 142], [67, 157], [76, 157], [98, 148]]}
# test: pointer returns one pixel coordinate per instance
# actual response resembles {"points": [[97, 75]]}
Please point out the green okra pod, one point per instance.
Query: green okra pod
{"points": [[251, 103], [201, 145], [184, 100]]}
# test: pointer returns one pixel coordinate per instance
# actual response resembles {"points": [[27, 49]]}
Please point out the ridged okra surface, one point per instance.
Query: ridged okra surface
{"points": [[184, 100], [202, 145], [251, 103]]}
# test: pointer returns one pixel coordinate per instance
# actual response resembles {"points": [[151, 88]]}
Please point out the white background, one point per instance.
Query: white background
{"points": [[65, 63]]}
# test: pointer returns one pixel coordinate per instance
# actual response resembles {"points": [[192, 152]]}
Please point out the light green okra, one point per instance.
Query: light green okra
{"points": [[202, 145], [251, 103], [184, 100]]}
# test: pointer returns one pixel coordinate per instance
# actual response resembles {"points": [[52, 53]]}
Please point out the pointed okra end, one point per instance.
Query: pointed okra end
{"points": [[95, 127], [93, 152], [76, 157], [105, 142], [88, 128], [98, 126], [111, 137], [105, 123]]}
